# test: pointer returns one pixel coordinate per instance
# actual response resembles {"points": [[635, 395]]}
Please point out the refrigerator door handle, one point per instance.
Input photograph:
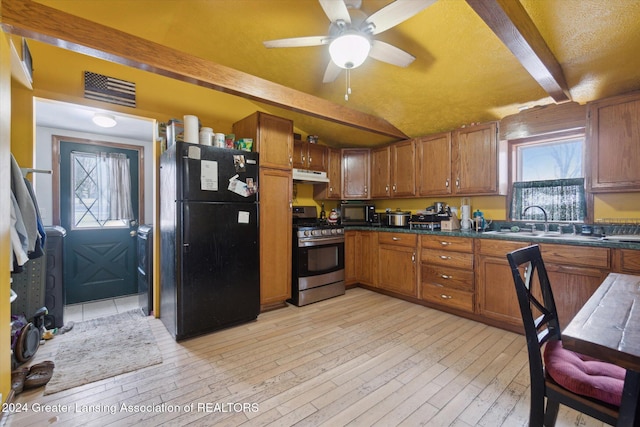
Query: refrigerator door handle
{"points": [[186, 228], [186, 248]]}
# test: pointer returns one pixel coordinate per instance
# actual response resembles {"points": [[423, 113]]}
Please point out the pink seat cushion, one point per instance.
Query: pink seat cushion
{"points": [[584, 375]]}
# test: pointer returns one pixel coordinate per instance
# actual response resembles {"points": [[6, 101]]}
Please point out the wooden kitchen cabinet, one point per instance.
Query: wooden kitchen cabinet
{"points": [[613, 143], [495, 290], [626, 261], [333, 189], [397, 263], [361, 256], [475, 161], [367, 259], [309, 156], [446, 271], [273, 138], [381, 172], [393, 170], [355, 173], [275, 237], [575, 272], [433, 165], [350, 256]]}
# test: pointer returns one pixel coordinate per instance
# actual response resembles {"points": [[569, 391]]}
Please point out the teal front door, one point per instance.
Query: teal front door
{"points": [[100, 257]]}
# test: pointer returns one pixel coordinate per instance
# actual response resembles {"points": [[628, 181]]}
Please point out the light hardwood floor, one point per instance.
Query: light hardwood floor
{"points": [[362, 359]]}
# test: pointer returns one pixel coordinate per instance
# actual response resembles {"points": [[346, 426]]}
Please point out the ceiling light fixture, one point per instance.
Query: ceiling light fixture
{"points": [[104, 120], [349, 50]]}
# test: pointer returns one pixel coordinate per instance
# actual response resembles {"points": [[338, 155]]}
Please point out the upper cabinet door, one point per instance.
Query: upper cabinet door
{"points": [[273, 138], [403, 170], [380, 172], [613, 143], [355, 173], [433, 164], [475, 160]]}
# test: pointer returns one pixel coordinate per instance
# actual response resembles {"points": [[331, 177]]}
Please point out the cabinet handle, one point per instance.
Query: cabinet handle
{"points": [[330, 189], [395, 239], [445, 243], [413, 257], [394, 188], [386, 188], [446, 183], [443, 296], [445, 257], [457, 182], [290, 204], [444, 276], [303, 159], [290, 160]]}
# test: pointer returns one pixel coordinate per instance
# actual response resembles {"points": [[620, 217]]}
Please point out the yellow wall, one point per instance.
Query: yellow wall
{"points": [[617, 206], [5, 135], [22, 140]]}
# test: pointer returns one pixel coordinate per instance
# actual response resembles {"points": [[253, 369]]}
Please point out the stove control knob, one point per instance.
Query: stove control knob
{"points": [[307, 233]]}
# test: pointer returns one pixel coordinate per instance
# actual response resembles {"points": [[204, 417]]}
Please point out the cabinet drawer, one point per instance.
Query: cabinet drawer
{"points": [[499, 248], [450, 259], [575, 255], [399, 239], [447, 243], [626, 261], [447, 277], [453, 298]]}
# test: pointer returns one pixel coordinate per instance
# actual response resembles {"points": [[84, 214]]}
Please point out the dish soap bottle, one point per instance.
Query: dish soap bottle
{"points": [[323, 214]]}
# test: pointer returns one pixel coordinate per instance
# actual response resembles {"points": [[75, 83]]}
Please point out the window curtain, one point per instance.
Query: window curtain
{"points": [[563, 199], [114, 187]]}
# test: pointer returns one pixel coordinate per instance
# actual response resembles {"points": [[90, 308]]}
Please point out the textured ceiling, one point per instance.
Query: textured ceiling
{"points": [[463, 73]]}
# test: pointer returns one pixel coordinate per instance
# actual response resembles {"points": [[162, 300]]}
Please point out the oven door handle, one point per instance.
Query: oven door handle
{"points": [[319, 242]]}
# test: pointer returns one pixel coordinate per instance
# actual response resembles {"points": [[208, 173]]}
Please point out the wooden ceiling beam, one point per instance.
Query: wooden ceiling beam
{"points": [[36, 21], [511, 23]]}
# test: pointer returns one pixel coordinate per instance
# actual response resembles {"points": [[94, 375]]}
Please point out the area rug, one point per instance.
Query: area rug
{"points": [[102, 348]]}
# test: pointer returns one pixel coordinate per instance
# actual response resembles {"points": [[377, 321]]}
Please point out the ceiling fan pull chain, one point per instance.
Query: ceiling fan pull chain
{"points": [[348, 91]]}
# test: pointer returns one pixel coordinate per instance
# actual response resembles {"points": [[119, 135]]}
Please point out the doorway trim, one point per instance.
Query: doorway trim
{"points": [[55, 171]]}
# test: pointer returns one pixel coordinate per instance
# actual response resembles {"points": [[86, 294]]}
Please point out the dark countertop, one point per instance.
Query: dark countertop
{"points": [[522, 237]]}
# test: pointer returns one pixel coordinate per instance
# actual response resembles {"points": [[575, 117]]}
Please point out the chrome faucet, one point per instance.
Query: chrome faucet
{"points": [[546, 218]]}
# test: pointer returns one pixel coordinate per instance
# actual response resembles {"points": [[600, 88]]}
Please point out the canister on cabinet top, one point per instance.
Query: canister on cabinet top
{"points": [[206, 136]]}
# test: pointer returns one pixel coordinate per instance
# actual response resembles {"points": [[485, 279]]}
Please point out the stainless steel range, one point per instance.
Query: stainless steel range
{"points": [[318, 258]]}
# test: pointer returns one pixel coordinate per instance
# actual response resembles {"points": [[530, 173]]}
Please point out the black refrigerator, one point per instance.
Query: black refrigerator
{"points": [[208, 239]]}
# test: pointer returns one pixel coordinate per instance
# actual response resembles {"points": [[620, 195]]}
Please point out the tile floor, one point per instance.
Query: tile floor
{"points": [[102, 308]]}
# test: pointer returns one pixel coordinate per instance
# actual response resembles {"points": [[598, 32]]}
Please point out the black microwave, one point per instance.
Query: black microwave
{"points": [[357, 214]]}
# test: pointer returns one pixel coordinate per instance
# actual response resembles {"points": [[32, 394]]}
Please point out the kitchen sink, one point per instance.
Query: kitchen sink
{"points": [[544, 235]]}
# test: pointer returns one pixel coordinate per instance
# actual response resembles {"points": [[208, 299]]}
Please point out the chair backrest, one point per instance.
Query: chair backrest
{"points": [[537, 306]]}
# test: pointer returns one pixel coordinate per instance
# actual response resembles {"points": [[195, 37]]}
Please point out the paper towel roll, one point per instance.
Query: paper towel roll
{"points": [[465, 217], [191, 129]]}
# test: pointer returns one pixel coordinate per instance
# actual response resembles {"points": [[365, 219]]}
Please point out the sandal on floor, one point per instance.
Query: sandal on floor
{"points": [[39, 374], [17, 379]]}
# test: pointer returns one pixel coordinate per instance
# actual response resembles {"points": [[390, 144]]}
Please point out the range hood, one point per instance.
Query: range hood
{"points": [[310, 177]]}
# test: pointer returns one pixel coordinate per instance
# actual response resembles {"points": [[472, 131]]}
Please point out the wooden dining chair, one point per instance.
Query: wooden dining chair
{"points": [[564, 377]]}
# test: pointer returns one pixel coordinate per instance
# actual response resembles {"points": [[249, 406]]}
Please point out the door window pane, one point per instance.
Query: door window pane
{"points": [[84, 181]]}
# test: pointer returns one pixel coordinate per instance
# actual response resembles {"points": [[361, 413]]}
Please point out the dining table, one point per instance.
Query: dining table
{"points": [[607, 327]]}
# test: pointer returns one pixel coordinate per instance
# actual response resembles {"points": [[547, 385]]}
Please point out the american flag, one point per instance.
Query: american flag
{"points": [[108, 89]]}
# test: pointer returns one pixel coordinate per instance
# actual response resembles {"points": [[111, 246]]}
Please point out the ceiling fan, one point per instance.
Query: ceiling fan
{"points": [[351, 32]]}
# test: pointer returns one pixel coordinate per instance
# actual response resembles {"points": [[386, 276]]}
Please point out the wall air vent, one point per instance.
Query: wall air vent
{"points": [[108, 89]]}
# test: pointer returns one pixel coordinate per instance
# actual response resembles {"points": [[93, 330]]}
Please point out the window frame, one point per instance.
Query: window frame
{"points": [[514, 144]]}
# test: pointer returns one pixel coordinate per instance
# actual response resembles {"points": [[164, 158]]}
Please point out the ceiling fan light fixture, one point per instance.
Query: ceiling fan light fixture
{"points": [[104, 120], [349, 50]]}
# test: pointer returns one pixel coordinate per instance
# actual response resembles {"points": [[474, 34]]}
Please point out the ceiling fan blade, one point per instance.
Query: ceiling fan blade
{"points": [[336, 10], [331, 73], [395, 13], [298, 42], [390, 54]]}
